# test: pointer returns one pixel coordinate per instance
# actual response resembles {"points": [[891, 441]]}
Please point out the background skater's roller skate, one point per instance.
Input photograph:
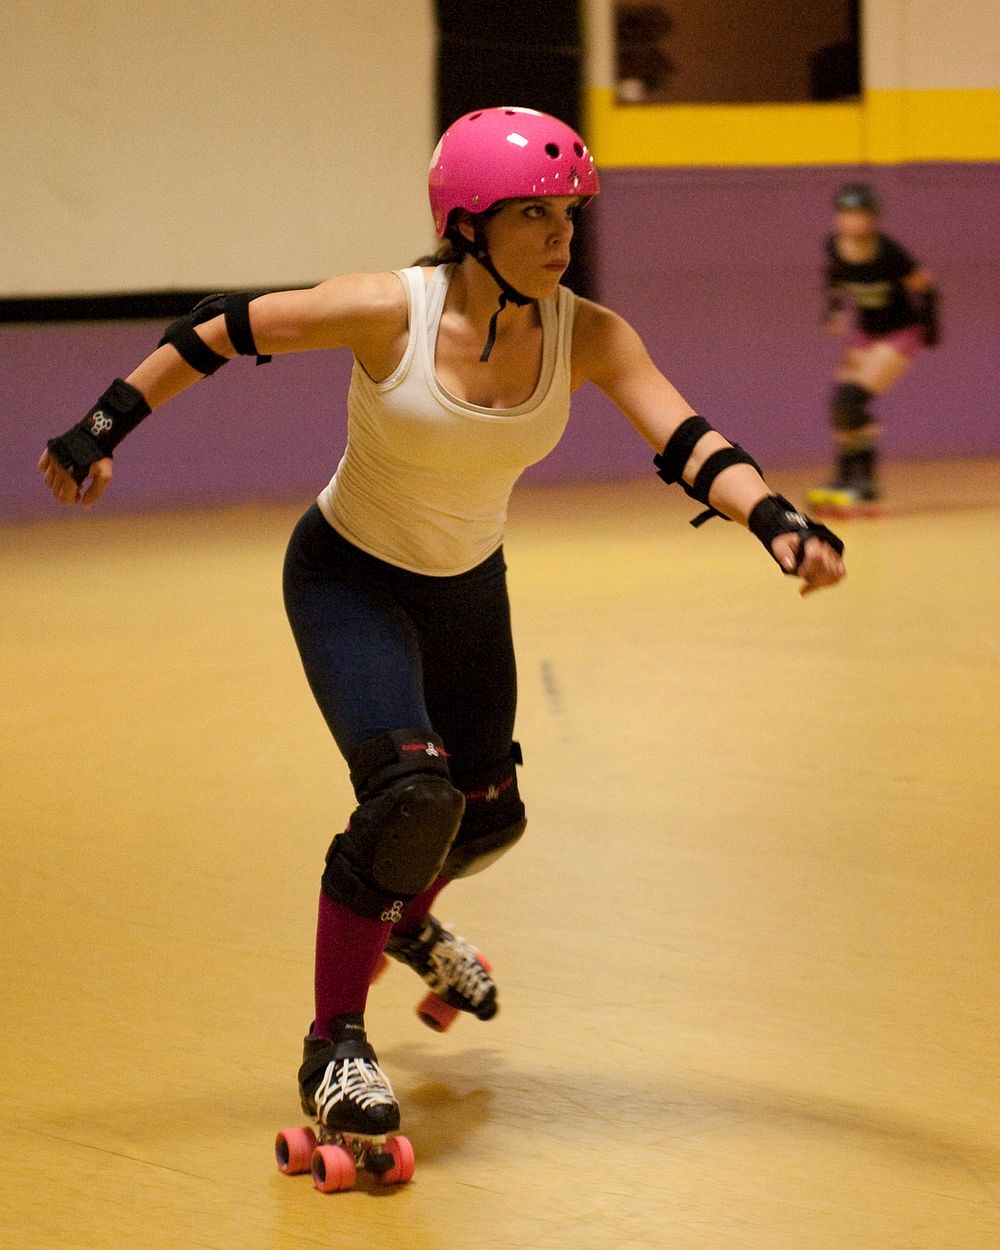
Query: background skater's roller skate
{"points": [[349, 1096], [845, 499], [458, 974]]}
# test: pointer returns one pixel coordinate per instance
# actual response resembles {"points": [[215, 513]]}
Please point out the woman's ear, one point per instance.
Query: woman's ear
{"points": [[463, 223]]}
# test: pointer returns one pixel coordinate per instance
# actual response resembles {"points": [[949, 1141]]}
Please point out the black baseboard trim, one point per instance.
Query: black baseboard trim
{"points": [[135, 305], [129, 306]]}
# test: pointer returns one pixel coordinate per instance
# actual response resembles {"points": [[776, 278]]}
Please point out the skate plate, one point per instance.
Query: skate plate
{"points": [[334, 1158]]}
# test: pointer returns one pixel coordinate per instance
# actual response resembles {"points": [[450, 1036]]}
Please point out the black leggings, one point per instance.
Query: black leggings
{"points": [[387, 649]]}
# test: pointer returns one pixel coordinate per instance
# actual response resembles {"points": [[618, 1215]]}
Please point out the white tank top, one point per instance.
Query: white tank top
{"points": [[425, 479]]}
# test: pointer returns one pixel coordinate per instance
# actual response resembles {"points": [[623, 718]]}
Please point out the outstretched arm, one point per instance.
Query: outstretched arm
{"points": [[609, 352], [363, 312], [923, 293]]}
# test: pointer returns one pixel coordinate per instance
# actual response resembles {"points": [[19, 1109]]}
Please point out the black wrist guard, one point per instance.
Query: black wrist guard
{"points": [[671, 461], [774, 515], [116, 413]]}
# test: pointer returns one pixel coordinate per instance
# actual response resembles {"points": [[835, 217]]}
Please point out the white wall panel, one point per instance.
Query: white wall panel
{"points": [[149, 146]]}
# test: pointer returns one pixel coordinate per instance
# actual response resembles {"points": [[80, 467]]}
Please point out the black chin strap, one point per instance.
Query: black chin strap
{"points": [[508, 294], [491, 338]]}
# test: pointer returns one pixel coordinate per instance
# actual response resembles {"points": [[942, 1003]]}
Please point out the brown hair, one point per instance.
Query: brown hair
{"points": [[454, 245], [448, 253]]}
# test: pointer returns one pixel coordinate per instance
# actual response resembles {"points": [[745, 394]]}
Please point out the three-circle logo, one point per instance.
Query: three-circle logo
{"points": [[100, 422]]}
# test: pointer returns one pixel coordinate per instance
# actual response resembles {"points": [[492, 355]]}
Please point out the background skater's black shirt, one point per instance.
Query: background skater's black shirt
{"points": [[876, 286]]}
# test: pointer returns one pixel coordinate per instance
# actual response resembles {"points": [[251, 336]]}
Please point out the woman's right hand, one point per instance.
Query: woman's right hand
{"points": [[836, 323], [63, 485]]}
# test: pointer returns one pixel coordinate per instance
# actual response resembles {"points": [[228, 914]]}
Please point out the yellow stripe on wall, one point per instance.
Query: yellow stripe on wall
{"points": [[954, 125], [885, 127]]}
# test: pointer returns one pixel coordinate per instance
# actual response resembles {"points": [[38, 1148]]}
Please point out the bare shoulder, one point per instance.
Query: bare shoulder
{"points": [[609, 352], [375, 296], [372, 313], [361, 311], [603, 343]]}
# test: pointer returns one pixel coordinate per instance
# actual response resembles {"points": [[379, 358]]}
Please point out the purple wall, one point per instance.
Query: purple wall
{"points": [[720, 272], [269, 432], [718, 269], [272, 432]]}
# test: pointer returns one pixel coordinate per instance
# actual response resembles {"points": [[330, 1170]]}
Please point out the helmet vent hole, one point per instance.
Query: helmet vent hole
{"points": [[551, 149], [475, 117], [578, 148]]}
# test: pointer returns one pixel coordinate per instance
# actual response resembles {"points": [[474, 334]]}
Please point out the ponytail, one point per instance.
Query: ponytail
{"points": [[448, 253]]}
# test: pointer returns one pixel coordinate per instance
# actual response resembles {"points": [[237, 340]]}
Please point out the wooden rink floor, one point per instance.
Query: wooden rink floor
{"points": [[748, 951]]}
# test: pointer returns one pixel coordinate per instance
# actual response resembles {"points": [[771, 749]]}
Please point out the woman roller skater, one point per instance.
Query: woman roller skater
{"points": [[395, 578]]}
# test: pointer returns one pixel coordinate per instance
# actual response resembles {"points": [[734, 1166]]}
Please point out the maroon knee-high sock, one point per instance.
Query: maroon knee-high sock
{"points": [[417, 908], [348, 947]]}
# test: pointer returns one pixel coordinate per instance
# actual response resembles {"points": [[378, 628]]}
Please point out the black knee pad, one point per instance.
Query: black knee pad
{"points": [[848, 407], [380, 761], [404, 825], [492, 823]]}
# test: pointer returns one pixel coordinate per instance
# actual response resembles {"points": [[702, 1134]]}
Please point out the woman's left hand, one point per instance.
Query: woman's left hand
{"points": [[820, 567]]}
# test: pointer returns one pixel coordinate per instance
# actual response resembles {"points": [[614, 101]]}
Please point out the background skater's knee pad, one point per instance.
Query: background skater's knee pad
{"points": [[493, 821], [848, 407]]}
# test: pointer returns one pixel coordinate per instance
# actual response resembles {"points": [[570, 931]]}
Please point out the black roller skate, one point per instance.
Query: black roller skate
{"points": [[854, 490], [457, 973], [343, 1088]]}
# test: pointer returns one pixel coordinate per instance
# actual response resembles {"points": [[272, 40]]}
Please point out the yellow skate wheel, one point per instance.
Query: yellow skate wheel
{"points": [[818, 497], [842, 500]]}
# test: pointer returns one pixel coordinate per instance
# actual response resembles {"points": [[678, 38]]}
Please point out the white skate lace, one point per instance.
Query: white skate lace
{"points": [[455, 967], [359, 1081]]}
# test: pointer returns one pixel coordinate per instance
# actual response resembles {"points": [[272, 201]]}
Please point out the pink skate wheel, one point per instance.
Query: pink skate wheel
{"points": [[333, 1169], [436, 1013], [403, 1168], [293, 1150]]}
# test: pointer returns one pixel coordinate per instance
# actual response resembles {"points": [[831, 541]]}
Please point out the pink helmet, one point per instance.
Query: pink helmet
{"points": [[506, 153]]}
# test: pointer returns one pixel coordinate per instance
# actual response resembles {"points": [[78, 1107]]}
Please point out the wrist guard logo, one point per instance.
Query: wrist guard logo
{"points": [[100, 422]]}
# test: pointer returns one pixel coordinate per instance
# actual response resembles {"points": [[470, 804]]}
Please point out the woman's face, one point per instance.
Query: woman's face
{"points": [[529, 241]]}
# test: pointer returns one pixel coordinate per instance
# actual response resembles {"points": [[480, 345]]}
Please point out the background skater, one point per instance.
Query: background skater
{"points": [[894, 315]]}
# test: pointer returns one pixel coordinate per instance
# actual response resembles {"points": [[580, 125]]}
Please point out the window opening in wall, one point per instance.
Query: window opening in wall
{"points": [[737, 52]]}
